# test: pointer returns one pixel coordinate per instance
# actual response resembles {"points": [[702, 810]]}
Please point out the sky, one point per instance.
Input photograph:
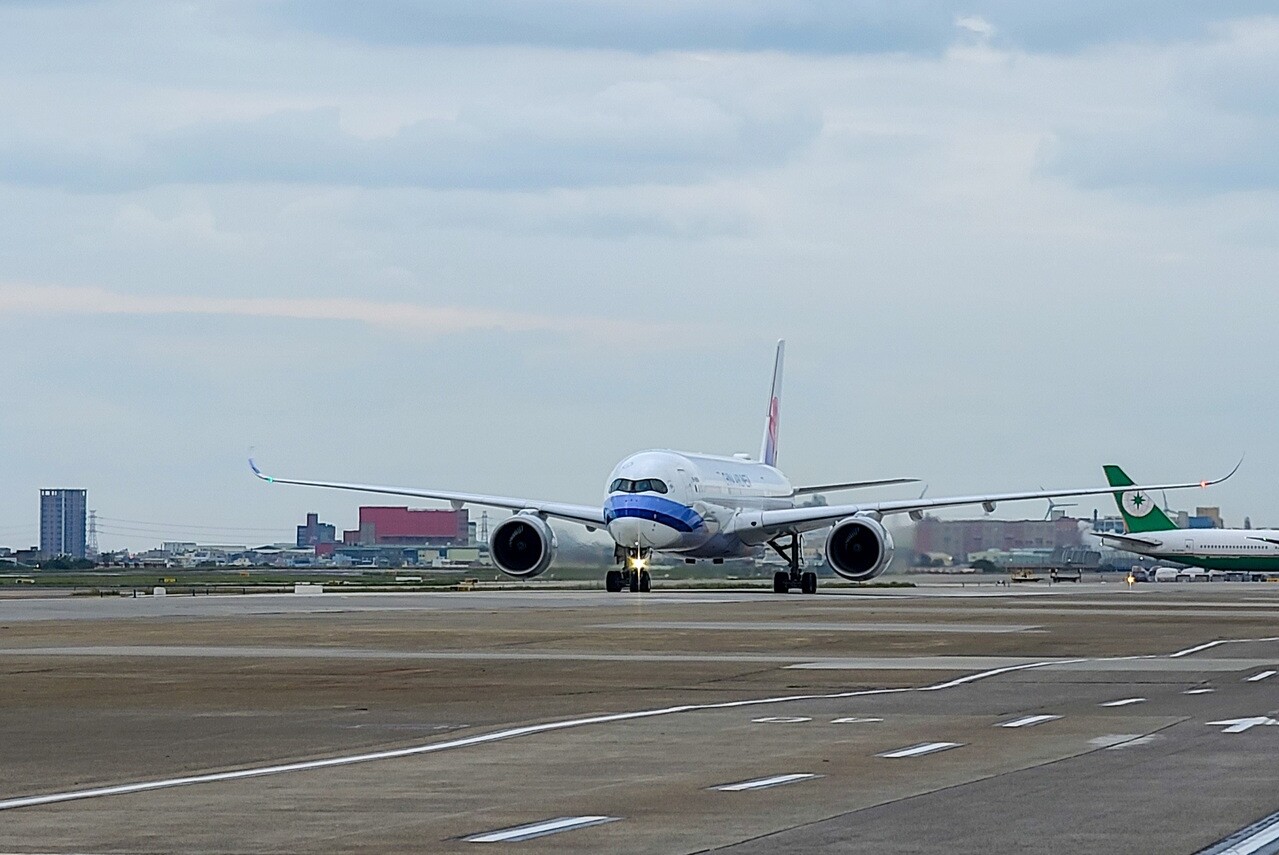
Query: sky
{"points": [[497, 245]]}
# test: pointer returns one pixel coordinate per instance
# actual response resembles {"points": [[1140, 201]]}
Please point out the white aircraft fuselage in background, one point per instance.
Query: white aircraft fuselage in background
{"points": [[701, 506]]}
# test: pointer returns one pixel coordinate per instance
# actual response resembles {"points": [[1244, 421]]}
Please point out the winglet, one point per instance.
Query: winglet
{"points": [[1228, 476], [258, 472]]}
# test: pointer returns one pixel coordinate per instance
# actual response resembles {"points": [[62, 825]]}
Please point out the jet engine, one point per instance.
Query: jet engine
{"points": [[522, 546], [859, 548]]}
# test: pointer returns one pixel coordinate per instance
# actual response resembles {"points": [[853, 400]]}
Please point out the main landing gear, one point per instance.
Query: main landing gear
{"points": [[634, 578], [785, 580]]}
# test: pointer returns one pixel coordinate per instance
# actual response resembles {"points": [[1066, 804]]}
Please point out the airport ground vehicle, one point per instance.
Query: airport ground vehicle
{"points": [[1065, 574], [1026, 576]]}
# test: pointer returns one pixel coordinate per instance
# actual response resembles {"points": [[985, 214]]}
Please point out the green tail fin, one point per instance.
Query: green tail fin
{"points": [[1139, 509]]}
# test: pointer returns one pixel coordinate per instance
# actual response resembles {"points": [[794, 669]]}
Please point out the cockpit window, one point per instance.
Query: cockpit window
{"points": [[646, 485]]}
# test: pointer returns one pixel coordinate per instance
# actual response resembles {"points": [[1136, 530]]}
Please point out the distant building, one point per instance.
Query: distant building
{"points": [[62, 523], [386, 526], [1213, 514], [963, 538], [315, 533]]}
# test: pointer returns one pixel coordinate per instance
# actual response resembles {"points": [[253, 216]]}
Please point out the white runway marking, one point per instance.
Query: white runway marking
{"points": [[1255, 678], [1250, 840], [1123, 702], [516, 732], [854, 720], [920, 749], [764, 783], [539, 829], [1120, 741], [1243, 725], [1029, 721], [1203, 691], [1201, 647], [782, 719]]}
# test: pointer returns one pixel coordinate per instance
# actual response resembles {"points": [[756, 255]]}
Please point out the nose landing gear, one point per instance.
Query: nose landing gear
{"points": [[785, 580], [634, 577]]}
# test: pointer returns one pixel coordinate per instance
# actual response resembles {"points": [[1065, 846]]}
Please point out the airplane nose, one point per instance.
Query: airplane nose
{"points": [[628, 531], [625, 531]]}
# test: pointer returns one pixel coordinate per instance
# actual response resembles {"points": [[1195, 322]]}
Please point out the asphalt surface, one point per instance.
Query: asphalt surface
{"points": [[1082, 718]]}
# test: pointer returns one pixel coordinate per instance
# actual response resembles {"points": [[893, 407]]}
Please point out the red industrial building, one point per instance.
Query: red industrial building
{"points": [[385, 526]]}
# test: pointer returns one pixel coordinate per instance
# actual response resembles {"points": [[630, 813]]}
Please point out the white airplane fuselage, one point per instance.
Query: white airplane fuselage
{"points": [[702, 494], [1210, 548]]}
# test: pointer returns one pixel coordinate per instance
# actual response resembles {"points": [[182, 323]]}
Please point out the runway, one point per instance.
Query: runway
{"points": [[1094, 719]]}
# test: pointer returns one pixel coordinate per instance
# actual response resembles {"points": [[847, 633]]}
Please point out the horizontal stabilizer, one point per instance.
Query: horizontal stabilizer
{"points": [[1125, 538]]}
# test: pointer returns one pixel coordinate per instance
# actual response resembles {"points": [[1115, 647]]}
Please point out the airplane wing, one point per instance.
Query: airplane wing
{"points": [[1124, 538], [591, 516], [807, 519], [853, 485], [1265, 539]]}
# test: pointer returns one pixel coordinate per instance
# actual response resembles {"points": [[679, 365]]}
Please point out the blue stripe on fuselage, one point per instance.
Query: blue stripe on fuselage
{"points": [[669, 513]]}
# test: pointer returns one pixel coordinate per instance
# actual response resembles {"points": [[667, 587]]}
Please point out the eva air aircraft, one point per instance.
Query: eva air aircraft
{"points": [[707, 507], [1151, 533]]}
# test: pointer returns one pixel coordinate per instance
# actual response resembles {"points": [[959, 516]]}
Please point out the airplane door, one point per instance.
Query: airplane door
{"points": [[1190, 547]]}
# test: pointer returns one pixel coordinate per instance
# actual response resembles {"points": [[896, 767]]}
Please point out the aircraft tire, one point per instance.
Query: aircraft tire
{"points": [[781, 582], [645, 582], [613, 581], [808, 582], [635, 582]]}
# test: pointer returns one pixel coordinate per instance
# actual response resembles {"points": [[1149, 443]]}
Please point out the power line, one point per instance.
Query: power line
{"points": [[189, 527]]}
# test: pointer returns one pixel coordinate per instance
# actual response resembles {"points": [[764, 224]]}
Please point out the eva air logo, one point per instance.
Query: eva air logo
{"points": [[1137, 503]]}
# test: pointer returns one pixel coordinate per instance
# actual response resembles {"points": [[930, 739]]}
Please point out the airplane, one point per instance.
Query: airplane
{"points": [[1149, 532], [701, 506]]}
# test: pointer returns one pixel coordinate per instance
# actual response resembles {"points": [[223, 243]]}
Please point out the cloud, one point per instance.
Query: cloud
{"points": [[629, 133], [1204, 121], [404, 317], [975, 24], [793, 26]]}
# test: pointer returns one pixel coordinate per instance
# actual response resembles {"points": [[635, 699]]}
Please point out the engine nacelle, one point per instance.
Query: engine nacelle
{"points": [[859, 548], [522, 546]]}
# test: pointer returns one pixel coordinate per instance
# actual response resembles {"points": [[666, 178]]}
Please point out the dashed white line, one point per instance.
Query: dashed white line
{"points": [[764, 783], [539, 829], [1201, 691], [1123, 702], [1256, 678], [852, 719], [920, 750], [782, 719], [1029, 721]]}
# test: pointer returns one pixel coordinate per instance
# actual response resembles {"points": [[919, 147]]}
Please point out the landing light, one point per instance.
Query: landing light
{"points": [[638, 563]]}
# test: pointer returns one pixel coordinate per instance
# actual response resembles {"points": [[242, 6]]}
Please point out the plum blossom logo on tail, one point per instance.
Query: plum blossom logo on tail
{"points": [[1137, 503]]}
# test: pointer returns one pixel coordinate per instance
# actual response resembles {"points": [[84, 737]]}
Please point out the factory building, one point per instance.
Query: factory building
{"points": [[315, 532], [62, 523], [387, 526]]}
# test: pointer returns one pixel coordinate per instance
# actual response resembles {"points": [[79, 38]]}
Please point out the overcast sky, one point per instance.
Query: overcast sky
{"points": [[497, 246]]}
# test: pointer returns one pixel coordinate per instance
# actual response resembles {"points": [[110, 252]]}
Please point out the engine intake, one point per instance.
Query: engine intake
{"points": [[859, 548], [522, 546]]}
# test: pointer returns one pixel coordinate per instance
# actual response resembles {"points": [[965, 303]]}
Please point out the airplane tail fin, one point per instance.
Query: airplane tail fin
{"points": [[768, 447], [1139, 510]]}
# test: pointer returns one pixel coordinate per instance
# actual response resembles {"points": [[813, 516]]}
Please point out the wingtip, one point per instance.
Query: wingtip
{"points": [[258, 472]]}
